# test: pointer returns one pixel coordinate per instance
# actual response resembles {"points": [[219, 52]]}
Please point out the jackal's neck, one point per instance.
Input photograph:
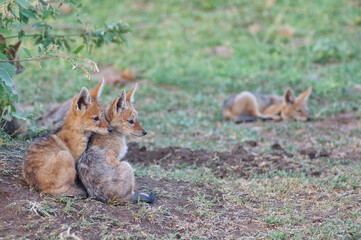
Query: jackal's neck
{"points": [[108, 141], [121, 146], [74, 139], [114, 142], [118, 135]]}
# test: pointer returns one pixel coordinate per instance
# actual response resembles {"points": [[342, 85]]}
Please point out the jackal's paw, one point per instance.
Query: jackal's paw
{"points": [[76, 191]]}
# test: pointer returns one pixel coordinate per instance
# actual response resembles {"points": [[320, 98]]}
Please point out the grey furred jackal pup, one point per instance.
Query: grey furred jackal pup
{"points": [[100, 168]]}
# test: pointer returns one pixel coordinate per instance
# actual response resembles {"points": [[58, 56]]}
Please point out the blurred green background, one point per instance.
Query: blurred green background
{"points": [[190, 56]]}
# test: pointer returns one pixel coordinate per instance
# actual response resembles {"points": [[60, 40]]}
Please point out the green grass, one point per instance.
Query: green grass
{"points": [[180, 97], [184, 85]]}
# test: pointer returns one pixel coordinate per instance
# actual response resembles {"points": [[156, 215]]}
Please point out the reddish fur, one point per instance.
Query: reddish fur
{"points": [[49, 164]]}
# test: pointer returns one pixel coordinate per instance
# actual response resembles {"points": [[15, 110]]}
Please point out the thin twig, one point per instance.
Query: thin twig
{"points": [[50, 35], [37, 59], [62, 27]]}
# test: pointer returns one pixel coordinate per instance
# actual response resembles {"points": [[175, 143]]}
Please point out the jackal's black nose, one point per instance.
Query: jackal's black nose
{"points": [[144, 133], [110, 129]]}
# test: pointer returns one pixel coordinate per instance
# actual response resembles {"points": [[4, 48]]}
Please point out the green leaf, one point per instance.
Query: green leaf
{"points": [[20, 116], [46, 13], [3, 94], [26, 51], [48, 41], [8, 90], [22, 3], [3, 57], [2, 46], [23, 18], [7, 117], [80, 5], [7, 71], [28, 13], [108, 37], [9, 68], [41, 46], [6, 77], [124, 39], [21, 34], [8, 96], [78, 49]]}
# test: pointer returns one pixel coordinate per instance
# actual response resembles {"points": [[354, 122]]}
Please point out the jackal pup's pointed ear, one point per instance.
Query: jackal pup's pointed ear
{"points": [[12, 50], [289, 96], [130, 95], [16, 46], [120, 102], [304, 96], [12, 54], [97, 91], [83, 100], [2, 39]]}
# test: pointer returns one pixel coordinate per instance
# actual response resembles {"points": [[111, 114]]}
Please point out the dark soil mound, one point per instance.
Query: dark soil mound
{"points": [[238, 162]]}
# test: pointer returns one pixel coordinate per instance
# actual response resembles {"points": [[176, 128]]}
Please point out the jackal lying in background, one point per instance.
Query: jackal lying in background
{"points": [[247, 106]]}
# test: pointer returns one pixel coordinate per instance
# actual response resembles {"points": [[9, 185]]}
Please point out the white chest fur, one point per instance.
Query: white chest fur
{"points": [[123, 148]]}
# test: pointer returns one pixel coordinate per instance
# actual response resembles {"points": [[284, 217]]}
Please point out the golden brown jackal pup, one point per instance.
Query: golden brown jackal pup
{"points": [[100, 168], [49, 164], [247, 106]]}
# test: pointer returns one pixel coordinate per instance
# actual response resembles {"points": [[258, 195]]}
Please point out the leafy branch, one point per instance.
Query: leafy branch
{"points": [[35, 59], [23, 17]]}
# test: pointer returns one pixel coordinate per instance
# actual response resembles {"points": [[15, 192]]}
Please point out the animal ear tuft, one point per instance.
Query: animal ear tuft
{"points": [[120, 103], [83, 100], [130, 95], [97, 91], [289, 96], [304, 96]]}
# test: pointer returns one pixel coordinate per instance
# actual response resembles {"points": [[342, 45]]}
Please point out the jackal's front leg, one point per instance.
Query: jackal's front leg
{"points": [[111, 159]]}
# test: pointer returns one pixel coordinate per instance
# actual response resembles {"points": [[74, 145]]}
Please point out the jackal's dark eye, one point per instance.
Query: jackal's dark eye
{"points": [[96, 118], [131, 121]]}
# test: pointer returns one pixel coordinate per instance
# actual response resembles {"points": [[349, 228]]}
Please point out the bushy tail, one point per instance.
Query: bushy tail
{"points": [[143, 197]]}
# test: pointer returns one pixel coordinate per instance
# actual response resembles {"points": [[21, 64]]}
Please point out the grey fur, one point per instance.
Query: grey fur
{"points": [[105, 182]]}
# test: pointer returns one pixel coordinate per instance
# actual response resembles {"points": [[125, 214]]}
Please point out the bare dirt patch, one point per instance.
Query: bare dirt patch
{"points": [[239, 162], [28, 213]]}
